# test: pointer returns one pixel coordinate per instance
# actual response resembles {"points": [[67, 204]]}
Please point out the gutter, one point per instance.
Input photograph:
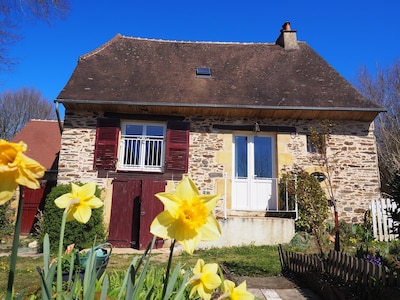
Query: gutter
{"points": [[231, 106], [58, 116]]}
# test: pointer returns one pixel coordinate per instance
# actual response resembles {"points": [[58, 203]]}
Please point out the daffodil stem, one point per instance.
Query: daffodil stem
{"points": [[171, 252], [14, 250], [60, 252]]}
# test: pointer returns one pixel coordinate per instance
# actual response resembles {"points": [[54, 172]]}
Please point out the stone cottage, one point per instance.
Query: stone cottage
{"points": [[140, 113]]}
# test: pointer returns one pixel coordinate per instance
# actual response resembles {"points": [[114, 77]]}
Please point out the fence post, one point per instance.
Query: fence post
{"points": [[282, 258], [385, 220], [374, 221]]}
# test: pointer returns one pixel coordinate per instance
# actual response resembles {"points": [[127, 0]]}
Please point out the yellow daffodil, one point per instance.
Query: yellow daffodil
{"points": [[79, 202], [205, 279], [236, 293], [188, 217], [17, 169]]}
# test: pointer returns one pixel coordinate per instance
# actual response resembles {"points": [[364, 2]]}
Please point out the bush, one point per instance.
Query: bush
{"points": [[394, 189], [312, 202], [301, 242], [6, 227], [82, 235]]}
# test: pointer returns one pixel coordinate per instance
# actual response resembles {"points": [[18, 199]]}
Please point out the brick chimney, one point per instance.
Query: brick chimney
{"points": [[288, 38]]}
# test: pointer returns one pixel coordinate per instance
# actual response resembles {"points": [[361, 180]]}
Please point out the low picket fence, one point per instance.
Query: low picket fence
{"points": [[340, 266], [382, 223]]}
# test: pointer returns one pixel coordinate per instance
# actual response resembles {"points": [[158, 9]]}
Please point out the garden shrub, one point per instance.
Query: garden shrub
{"points": [[6, 228], [300, 242], [312, 203], [394, 249], [394, 189], [82, 235]]}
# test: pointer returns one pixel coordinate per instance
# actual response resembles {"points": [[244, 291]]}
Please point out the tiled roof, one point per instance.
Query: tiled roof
{"points": [[254, 75], [43, 138]]}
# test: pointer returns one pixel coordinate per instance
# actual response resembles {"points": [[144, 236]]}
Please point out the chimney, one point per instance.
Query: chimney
{"points": [[288, 38]]}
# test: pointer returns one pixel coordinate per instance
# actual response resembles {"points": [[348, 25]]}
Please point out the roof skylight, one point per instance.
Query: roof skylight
{"points": [[203, 72]]}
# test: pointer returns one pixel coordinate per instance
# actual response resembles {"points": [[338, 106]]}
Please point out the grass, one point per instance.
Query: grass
{"points": [[250, 260]]}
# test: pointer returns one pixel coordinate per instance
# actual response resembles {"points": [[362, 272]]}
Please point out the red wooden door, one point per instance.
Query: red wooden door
{"points": [[122, 221], [133, 208], [149, 209], [32, 201]]}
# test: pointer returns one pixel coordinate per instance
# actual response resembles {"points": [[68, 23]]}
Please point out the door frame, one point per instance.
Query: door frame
{"points": [[249, 182]]}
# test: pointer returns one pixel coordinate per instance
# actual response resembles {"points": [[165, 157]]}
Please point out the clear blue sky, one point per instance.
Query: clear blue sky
{"points": [[347, 34]]}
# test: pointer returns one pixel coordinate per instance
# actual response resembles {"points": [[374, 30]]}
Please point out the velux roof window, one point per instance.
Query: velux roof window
{"points": [[203, 72]]}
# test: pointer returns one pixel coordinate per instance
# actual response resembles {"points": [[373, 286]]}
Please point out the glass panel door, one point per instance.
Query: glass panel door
{"points": [[253, 184]]}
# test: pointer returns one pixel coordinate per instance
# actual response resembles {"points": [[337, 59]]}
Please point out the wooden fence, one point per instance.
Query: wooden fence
{"points": [[343, 267], [382, 223]]}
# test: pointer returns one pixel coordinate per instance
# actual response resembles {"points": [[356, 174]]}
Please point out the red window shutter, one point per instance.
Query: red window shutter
{"points": [[106, 148], [177, 149]]}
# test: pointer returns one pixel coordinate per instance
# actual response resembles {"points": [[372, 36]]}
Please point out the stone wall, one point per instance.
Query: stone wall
{"points": [[77, 149], [353, 164], [352, 157], [352, 149]]}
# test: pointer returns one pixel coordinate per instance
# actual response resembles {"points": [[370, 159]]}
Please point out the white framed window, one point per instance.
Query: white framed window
{"points": [[142, 146]]}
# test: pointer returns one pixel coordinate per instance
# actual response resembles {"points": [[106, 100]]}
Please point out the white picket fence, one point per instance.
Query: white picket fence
{"points": [[382, 222]]}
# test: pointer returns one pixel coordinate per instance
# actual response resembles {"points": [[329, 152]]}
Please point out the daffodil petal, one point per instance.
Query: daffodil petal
{"points": [[192, 291], [229, 285], [210, 201], [211, 281], [160, 225], [198, 267], [79, 202], [170, 202], [63, 200], [7, 187], [86, 191], [205, 279], [210, 268], [190, 244], [5, 196], [70, 214], [28, 172], [187, 217], [210, 231], [203, 293], [83, 213], [186, 189], [74, 188], [17, 169], [239, 292], [94, 202]]}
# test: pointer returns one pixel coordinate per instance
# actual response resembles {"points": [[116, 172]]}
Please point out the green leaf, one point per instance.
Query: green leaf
{"points": [[89, 280], [104, 288], [181, 289], [171, 282]]}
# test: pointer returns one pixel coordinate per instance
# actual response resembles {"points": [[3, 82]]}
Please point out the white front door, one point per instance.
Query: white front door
{"points": [[253, 183]]}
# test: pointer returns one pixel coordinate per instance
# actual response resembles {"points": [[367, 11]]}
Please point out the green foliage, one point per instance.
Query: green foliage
{"points": [[300, 242], [394, 189], [394, 249], [6, 227], [312, 202], [394, 186], [74, 287], [143, 281], [82, 235]]}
